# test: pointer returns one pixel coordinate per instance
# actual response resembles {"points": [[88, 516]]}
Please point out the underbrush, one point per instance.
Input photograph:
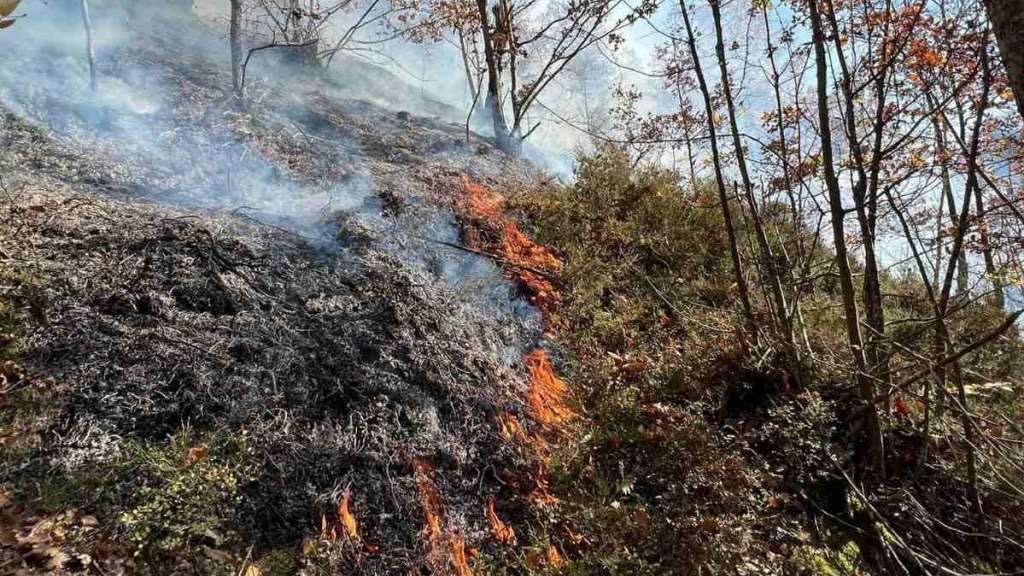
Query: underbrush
{"points": [[650, 484], [697, 454]]}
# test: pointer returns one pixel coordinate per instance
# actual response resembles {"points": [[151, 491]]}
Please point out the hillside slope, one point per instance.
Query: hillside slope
{"points": [[232, 321]]}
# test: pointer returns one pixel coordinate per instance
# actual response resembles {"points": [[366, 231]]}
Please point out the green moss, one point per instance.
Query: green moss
{"points": [[843, 560], [189, 492]]}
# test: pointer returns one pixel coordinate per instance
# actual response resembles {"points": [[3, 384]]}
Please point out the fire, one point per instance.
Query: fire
{"points": [[554, 558], [430, 501], [511, 430], [345, 517], [549, 557], [533, 266], [547, 392], [483, 203], [345, 527], [501, 531], [458, 557], [433, 512]]}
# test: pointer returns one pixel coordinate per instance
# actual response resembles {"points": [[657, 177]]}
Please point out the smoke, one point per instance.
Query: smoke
{"points": [[293, 158]]}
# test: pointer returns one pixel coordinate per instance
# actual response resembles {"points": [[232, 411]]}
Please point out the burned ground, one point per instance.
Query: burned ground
{"points": [[277, 275]]}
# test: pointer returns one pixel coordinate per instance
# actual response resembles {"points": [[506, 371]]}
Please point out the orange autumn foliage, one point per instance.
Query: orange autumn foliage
{"points": [[546, 394], [501, 531]]}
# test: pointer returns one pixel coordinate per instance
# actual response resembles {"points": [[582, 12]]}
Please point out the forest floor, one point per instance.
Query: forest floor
{"points": [[239, 329]]}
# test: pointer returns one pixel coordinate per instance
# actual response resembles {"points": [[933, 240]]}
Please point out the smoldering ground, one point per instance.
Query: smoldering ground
{"points": [[269, 273]]}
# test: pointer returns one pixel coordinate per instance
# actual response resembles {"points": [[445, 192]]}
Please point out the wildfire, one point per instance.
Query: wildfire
{"points": [[345, 517], [533, 266], [547, 392], [458, 557], [501, 531], [453, 547], [430, 501], [345, 526]]}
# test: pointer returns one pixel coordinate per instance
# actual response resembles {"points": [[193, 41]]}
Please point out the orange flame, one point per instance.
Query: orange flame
{"points": [[430, 501], [511, 430], [345, 517], [549, 556], [481, 202], [534, 267], [458, 557], [433, 512], [547, 392], [529, 263], [501, 531], [554, 558], [345, 525]]}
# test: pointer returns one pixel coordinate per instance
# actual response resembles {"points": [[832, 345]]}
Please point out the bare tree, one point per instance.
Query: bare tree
{"points": [[530, 58], [782, 318], [300, 27], [716, 159], [865, 384]]}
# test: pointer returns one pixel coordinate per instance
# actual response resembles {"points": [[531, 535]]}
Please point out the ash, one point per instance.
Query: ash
{"points": [[273, 271]]}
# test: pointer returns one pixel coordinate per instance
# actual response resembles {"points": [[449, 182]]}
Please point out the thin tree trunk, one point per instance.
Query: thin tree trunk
{"points": [[90, 50], [865, 196], [236, 47], [502, 137], [471, 79], [999, 297], [958, 243], [865, 385], [1007, 18], [783, 321], [947, 192], [716, 159]]}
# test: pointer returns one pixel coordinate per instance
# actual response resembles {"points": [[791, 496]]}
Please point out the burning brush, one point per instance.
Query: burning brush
{"points": [[489, 231]]}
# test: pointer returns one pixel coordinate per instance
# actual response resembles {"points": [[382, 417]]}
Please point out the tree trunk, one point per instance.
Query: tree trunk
{"points": [[716, 160], [783, 324], [236, 47], [866, 387], [502, 138], [999, 297], [947, 196], [942, 308], [90, 50], [1007, 18]]}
